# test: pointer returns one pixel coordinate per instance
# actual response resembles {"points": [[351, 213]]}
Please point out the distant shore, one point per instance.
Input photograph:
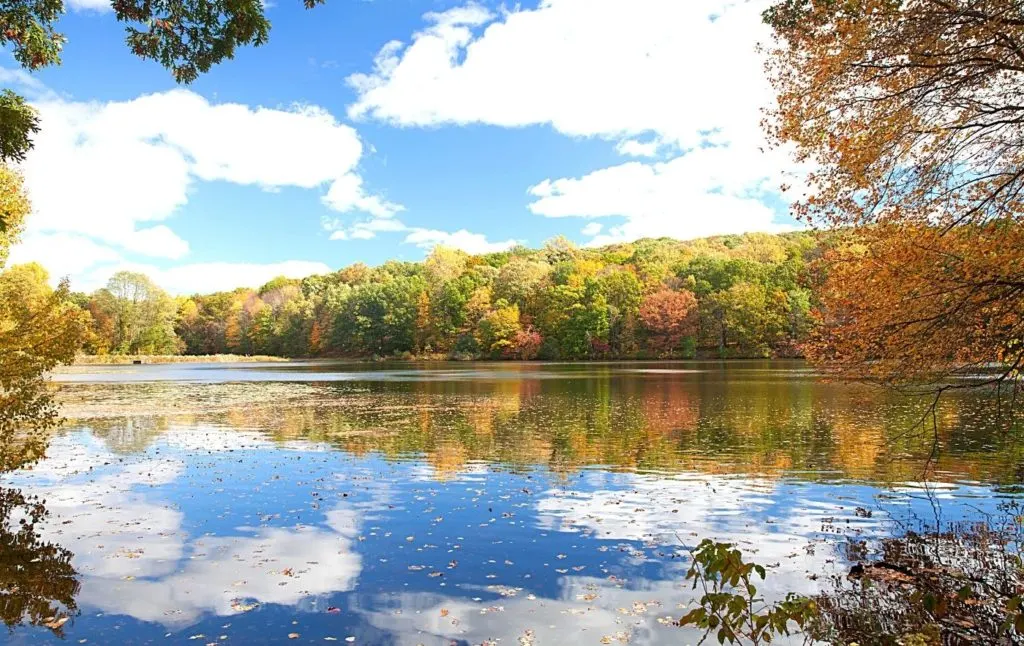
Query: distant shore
{"points": [[129, 359], [121, 359]]}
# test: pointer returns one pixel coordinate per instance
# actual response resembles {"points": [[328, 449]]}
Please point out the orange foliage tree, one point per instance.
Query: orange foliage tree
{"points": [[910, 116], [669, 317]]}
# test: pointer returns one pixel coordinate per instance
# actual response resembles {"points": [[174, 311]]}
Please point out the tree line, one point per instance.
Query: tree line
{"points": [[727, 296]]}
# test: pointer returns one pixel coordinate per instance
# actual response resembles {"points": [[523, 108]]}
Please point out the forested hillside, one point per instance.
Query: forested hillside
{"points": [[730, 296]]}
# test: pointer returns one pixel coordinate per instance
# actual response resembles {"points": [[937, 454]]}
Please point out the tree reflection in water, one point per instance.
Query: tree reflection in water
{"points": [[38, 584]]}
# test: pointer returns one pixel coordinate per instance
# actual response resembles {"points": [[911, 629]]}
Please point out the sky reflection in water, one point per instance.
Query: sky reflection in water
{"points": [[432, 508]]}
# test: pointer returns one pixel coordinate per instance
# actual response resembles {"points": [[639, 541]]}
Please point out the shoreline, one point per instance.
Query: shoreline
{"points": [[127, 359], [131, 359]]}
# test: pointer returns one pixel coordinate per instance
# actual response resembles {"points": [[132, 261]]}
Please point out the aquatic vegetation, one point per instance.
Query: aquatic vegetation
{"points": [[960, 585]]}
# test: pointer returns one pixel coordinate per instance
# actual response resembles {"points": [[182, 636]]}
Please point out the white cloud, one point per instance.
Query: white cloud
{"points": [[91, 264], [697, 194], [634, 148], [474, 243], [592, 229], [586, 67], [105, 177], [104, 169], [236, 567], [158, 241], [347, 194], [23, 81], [652, 75], [62, 254]]}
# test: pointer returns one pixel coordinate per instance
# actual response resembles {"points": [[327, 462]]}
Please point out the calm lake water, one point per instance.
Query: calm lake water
{"points": [[466, 503]]}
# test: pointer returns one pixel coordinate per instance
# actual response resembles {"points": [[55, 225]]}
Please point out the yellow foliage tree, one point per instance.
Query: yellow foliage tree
{"points": [[910, 116], [39, 329]]}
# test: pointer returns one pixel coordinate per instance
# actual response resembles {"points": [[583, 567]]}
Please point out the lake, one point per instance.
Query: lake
{"points": [[473, 503]]}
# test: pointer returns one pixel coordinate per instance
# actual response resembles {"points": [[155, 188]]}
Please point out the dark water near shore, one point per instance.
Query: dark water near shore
{"points": [[466, 503]]}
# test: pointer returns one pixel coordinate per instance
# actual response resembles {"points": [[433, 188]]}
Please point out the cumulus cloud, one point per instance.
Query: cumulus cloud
{"points": [[652, 75], [696, 194], [105, 178], [586, 67], [63, 254], [108, 169]]}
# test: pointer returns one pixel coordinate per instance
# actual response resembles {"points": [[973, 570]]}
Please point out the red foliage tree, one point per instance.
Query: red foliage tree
{"points": [[668, 316], [526, 345]]}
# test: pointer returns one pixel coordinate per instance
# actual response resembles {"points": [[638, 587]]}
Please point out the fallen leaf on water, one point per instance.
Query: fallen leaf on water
{"points": [[293, 635], [53, 623]]}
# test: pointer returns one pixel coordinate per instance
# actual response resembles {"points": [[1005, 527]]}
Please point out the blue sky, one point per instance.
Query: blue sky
{"points": [[369, 130]]}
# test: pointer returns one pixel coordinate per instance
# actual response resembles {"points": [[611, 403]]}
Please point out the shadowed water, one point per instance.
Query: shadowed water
{"points": [[466, 503]]}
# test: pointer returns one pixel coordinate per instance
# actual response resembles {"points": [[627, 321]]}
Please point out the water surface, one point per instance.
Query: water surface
{"points": [[465, 503]]}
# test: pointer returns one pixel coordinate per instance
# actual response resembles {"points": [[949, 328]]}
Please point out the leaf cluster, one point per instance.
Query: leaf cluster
{"points": [[731, 607]]}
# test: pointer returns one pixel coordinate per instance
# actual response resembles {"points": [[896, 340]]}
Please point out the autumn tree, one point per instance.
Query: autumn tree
{"points": [[910, 117], [40, 328], [421, 337], [669, 317], [749, 289], [499, 329]]}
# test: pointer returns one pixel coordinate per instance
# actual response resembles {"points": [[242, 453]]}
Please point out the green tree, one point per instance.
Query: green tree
{"points": [[142, 315], [519, 279], [624, 293], [573, 319], [754, 316], [380, 318]]}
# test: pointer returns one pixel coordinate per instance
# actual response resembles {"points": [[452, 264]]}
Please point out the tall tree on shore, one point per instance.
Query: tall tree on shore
{"points": [[911, 115], [142, 315]]}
